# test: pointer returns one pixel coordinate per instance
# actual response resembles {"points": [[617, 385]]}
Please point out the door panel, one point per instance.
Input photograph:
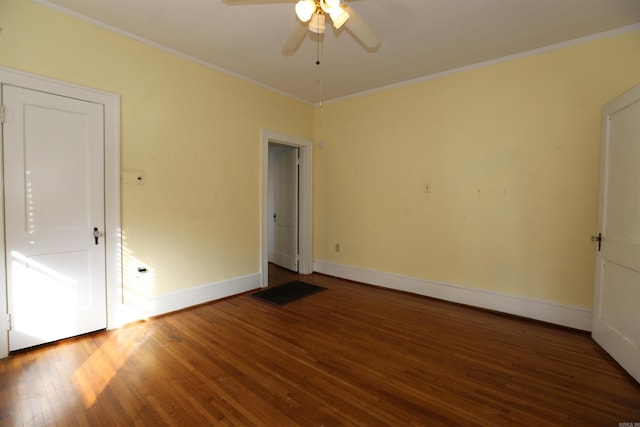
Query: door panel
{"points": [[618, 300], [286, 209], [54, 197], [617, 283]]}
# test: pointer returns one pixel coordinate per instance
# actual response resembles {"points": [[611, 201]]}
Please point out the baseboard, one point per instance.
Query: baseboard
{"points": [[559, 314], [174, 301]]}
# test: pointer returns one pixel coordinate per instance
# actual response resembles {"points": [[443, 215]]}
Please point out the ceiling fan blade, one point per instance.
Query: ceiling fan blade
{"points": [[361, 30], [295, 38], [241, 2]]}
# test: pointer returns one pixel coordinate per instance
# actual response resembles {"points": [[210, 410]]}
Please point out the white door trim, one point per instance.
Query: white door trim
{"points": [[305, 223], [111, 103]]}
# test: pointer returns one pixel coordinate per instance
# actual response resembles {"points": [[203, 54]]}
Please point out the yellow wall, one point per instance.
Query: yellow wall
{"points": [[510, 153], [195, 132]]}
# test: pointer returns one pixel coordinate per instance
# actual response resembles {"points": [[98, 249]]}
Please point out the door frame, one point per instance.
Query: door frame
{"points": [[305, 265], [113, 255]]}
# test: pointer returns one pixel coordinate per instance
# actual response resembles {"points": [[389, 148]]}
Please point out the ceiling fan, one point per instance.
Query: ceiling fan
{"points": [[312, 16]]}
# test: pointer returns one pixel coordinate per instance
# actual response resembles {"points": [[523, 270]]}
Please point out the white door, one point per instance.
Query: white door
{"points": [[616, 321], [285, 232], [53, 150]]}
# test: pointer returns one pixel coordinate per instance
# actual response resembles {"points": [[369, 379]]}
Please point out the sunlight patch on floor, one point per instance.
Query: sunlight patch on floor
{"points": [[95, 374]]}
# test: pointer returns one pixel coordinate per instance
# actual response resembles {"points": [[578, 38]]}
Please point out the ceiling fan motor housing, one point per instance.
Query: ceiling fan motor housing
{"points": [[315, 10]]}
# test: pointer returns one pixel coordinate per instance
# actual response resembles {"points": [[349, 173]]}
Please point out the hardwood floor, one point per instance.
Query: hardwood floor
{"points": [[352, 355]]}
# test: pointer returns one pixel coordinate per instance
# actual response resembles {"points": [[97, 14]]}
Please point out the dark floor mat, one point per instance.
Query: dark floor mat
{"points": [[289, 292]]}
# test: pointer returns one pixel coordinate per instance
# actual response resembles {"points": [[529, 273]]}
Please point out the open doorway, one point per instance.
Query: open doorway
{"points": [[286, 149], [283, 206]]}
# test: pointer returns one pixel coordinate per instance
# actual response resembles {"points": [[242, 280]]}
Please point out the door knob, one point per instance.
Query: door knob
{"points": [[97, 234]]}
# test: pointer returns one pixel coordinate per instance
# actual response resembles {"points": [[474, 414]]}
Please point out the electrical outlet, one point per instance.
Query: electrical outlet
{"points": [[337, 247]]}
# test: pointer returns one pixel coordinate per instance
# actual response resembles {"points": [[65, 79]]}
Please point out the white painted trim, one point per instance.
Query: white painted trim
{"points": [[4, 306], [305, 213], [111, 103], [559, 314], [549, 48], [166, 303]]}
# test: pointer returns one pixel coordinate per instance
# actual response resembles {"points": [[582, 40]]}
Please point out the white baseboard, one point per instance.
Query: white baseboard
{"points": [[166, 303], [551, 312]]}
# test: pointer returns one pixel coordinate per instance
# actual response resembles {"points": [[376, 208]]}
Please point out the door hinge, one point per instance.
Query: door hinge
{"points": [[2, 114], [9, 325], [598, 239]]}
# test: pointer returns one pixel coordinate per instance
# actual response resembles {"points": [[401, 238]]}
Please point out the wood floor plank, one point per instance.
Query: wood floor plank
{"points": [[353, 355]]}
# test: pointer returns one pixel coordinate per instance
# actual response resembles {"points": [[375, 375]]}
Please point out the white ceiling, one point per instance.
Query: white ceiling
{"points": [[419, 37]]}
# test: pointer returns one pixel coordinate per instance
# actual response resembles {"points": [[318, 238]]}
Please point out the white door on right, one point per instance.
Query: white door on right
{"points": [[616, 314]]}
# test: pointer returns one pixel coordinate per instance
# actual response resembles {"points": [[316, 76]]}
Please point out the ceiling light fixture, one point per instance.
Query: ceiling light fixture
{"points": [[305, 9], [315, 10], [317, 23], [339, 16]]}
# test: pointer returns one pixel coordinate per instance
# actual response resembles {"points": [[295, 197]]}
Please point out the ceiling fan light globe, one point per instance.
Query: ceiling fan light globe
{"points": [[327, 5], [339, 16], [305, 10], [317, 23]]}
